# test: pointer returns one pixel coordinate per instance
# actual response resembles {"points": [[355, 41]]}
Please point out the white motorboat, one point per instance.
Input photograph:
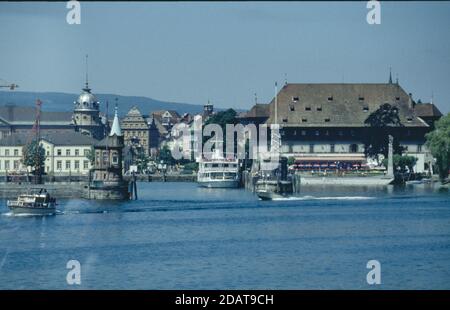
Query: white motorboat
{"points": [[36, 202]]}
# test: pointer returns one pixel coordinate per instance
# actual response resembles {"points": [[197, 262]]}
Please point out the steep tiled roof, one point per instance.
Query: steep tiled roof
{"points": [[134, 120], [427, 110], [161, 129], [175, 117], [339, 105], [22, 115], [55, 137], [258, 110]]}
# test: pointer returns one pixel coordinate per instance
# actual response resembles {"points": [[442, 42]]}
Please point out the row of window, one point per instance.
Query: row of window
{"points": [[7, 164], [321, 132], [68, 164], [93, 120], [59, 152], [308, 108], [8, 152], [326, 132], [137, 133], [220, 165], [330, 98], [139, 125], [352, 148], [15, 164], [68, 152]]}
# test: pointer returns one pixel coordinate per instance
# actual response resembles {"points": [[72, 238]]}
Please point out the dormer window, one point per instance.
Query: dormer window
{"points": [[285, 120], [366, 109], [307, 108], [295, 99], [291, 107], [330, 98], [304, 120], [361, 98], [327, 120], [319, 108], [409, 119], [397, 98]]}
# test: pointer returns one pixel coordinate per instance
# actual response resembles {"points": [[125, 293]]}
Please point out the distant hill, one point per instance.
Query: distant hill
{"points": [[53, 101]]}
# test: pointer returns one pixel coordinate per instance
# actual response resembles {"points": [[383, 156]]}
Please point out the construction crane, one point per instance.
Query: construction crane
{"points": [[5, 84]]}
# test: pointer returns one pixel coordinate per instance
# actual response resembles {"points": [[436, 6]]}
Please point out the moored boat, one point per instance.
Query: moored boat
{"points": [[219, 172]]}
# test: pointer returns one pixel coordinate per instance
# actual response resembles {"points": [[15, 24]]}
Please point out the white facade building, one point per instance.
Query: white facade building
{"points": [[66, 153]]}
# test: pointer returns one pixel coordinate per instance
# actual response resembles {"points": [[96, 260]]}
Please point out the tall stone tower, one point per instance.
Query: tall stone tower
{"points": [[86, 115], [106, 178]]}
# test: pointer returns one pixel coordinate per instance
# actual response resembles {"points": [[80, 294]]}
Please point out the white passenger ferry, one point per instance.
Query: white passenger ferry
{"points": [[218, 171]]}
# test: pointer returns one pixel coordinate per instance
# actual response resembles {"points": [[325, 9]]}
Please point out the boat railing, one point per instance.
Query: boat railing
{"points": [[215, 157], [220, 169]]}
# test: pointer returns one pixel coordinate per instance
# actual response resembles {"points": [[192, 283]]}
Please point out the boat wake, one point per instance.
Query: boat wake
{"points": [[12, 214], [323, 198]]}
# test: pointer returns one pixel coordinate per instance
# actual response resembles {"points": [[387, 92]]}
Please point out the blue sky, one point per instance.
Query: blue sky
{"points": [[225, 52]]}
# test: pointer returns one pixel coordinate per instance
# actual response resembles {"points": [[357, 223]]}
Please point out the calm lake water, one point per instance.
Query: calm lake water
{"points": [[179, 236]]}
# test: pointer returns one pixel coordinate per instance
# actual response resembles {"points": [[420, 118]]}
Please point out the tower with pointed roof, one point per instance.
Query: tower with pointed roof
{"points": [[86, 114], [107, 174], [115, 128]]}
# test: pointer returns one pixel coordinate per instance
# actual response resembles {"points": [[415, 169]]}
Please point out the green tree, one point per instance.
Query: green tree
{"points": [[91, 156], [222, 118], [438, 142], [291, 160], [402, 162], [141, 161], [382, 123], [190, 167], [166, 155], [34, 156]]}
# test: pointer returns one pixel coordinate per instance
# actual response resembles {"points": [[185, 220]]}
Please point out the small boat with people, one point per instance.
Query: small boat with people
{"points": [[276, 183], [269, 189], [35, 202]]}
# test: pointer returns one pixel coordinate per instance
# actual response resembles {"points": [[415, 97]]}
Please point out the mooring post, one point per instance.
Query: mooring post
{"points": [[134, 186], [390, 168]]}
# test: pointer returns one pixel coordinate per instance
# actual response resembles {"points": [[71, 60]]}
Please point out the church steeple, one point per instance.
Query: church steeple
{"points": [[115, 128], [390, 75]]}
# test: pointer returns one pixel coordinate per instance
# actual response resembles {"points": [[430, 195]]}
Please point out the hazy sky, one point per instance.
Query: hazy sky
{"points": [[225, 52]]}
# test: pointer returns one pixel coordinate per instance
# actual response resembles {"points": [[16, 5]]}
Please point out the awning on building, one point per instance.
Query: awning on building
{"points": [[330, 159]]}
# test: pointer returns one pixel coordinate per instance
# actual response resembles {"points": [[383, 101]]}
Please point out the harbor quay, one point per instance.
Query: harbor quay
{"points": [[61, 190], [61, 187]]}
